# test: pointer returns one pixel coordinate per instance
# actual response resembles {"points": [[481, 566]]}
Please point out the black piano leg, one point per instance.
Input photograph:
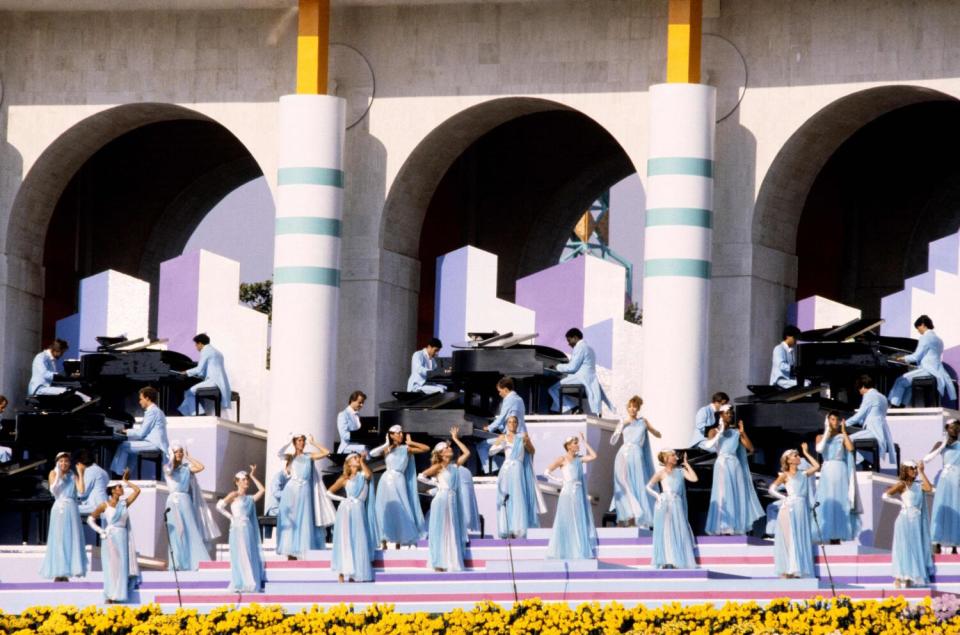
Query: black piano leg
{"points": [[25, 526]]}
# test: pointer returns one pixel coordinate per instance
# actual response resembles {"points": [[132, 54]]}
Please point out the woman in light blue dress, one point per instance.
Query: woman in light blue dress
{"points": [[673, 540], [354, 532], [189, 521], [246, 559], [734, 505], [574, 533], [945, 515], [447, 524], [468, 503], [793, 540], [517, 500], [633, 469], [839, 511], [912, 560], [118, 552], [66, 554], [399, 517], [305, 510]]}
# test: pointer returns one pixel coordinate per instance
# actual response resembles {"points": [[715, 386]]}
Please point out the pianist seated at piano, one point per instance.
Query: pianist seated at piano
{"points": [[95, 480], [582, 370], [872, 416], [422, 362], [45, 368], [511, 405], [349, 421], [929, 358], [211, 370], [6, 454], [151, 434], [784, 359]]}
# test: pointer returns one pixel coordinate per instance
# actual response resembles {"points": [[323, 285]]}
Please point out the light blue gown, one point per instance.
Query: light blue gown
{"points": [[297, 530], [66, 554], [912, 557], [574, 534], [673, 540], [399, 517], [734, 505], [121, 573], [246, 560], [447, 524], [468, 503], [838, 513], [183, 527], [632, 470], [945, 516], [354, 537], [793, 540], [517, 508]]}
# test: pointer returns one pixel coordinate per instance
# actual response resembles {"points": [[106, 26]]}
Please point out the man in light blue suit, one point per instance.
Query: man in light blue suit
{"points": [[511, 405], [211, 370], [781, 368], [348, 421], [95, 480], [929, 358], [47, 364], [581, 369], [422, 362], [707, 418], [872, 415], [6, 454], [151, 434]]}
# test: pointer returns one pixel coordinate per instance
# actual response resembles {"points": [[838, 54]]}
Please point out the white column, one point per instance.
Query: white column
{"points": [[676, 271], [306, 276]]}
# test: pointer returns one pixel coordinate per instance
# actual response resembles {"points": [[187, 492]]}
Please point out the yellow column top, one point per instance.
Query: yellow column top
{"points": [[684, 35], [313, 47]]}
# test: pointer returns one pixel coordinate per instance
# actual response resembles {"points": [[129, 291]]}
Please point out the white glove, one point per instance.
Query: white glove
{"points": [[335, 497], [891, 499], [222, 508], [379, 450], [934, 453], [615, 437], [96, 527], [426, 480], [774, 491], [826, 435], [551, 478], [657, 495]]}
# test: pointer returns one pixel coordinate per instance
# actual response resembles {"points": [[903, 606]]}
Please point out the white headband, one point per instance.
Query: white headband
{"points": [[240, 474], [725, 407], [61, 454], [908, 464], [440, 447], [396, 428], [174, 446], [288, 448]]}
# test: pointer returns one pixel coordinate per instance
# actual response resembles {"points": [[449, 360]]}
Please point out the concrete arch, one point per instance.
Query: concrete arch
{"points": [[102, 195], [415, 183], [783, 192]]}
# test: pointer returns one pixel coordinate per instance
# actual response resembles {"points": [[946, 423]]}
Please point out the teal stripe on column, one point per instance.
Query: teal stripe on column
{"points": [[308, 225], [681, 267], [310, 176], [689, 166], [307, 275], [690, 216]]}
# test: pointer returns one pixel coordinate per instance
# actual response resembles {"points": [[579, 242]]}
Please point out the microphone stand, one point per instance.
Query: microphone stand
{"points": [[823, 550], [513, 574], [173, 561]]}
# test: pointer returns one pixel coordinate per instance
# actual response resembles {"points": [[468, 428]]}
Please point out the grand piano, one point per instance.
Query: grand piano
{"points": [[112, 377], [831, 360], [470, 376]]}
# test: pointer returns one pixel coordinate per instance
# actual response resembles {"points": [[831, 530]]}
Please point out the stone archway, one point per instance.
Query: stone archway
{"points": [[121, 189], [511, 176]]}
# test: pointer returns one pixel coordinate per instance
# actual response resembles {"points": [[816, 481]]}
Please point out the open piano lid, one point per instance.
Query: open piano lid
{"points": [[860, 328]]}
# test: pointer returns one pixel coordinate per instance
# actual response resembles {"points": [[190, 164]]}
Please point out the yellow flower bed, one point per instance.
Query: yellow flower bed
{"points": [[818, 616]]}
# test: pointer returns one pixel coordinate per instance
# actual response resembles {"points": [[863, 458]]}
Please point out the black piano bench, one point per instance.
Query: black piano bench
{"points": [[871, 447], [924, 393], [150, 456], [213, 394], [577, 391], [267, 524]]}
